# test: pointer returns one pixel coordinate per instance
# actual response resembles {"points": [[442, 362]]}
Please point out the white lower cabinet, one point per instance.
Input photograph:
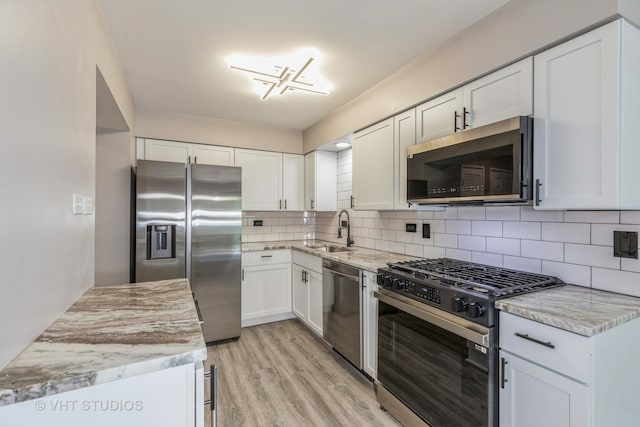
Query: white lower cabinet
{"points": [[551, 377], [370, 324], [266, 287], [307, 290], [166, 398]]}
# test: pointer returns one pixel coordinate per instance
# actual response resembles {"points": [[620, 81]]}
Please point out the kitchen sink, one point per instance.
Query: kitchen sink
{"points": [[331, 248]]}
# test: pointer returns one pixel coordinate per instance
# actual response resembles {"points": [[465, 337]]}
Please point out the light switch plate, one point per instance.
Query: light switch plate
{"points": [[78, 205], [625, 244], [88, 205]]}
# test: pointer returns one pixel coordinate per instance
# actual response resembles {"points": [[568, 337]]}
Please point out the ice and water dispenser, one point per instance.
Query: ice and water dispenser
{"points": [[161, 241]]}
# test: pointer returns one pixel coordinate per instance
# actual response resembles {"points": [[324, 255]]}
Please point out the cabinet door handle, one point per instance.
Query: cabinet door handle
{"points": [[212, 402], [352, 202], [535, 340], [188, 159], [538, 185], [285, 204], [195, 160], [503, 380], [465, 112], [312, 204], [280, 204], [455, 121]]}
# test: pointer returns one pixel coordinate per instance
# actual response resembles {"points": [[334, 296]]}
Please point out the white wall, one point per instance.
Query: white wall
{"points": [[49, 50], [511, 32], [112, 207], [206, 130]]}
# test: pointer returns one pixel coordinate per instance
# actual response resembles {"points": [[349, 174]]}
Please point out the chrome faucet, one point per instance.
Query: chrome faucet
{"points": [[350, 241]]}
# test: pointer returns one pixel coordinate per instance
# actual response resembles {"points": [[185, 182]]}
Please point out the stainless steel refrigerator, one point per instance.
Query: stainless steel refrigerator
{"points": [[188, 223]]}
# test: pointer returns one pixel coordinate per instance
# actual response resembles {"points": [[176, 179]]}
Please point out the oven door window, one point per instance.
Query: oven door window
{"points": [[476, 169], [442, 377]]}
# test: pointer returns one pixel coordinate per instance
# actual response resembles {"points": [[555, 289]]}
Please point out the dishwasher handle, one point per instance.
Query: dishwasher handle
{"points": [[338, 273]]}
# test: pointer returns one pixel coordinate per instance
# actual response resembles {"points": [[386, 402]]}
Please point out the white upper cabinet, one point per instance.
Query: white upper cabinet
{"points": [[439, 116], [404, 135], [587, 100], [212, 155], [271, 181], [293, 182], [183, 152], [500, 95], [321, 181], [166, 151], [261, 179], [497, 96], [373, 167]]}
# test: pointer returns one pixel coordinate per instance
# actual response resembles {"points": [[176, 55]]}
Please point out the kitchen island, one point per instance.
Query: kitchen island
{"points": [[121, 355]]}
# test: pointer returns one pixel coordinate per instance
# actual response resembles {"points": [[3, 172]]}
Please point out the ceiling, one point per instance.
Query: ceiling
{"points": [[174, 52]]}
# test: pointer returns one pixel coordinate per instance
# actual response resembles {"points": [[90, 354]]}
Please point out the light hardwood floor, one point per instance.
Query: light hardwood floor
{"points": [[281, 374]]}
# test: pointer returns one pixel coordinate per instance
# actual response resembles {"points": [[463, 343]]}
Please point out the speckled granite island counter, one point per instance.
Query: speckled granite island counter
{"points": [[114, 341], [576, 309]]}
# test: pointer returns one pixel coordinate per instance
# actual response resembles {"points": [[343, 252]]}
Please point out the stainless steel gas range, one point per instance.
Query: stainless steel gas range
{"points": [[437, 339]]}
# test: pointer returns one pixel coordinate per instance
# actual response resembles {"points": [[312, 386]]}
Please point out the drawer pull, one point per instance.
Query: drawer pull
{"points": [[266, 256], [537, 341]]}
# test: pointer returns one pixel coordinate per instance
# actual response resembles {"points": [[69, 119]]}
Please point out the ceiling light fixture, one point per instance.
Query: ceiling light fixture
{"points": [[280, 79], [342, 144]]}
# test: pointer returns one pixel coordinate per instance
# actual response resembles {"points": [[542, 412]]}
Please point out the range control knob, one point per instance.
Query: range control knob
{"points": [[380, 279], [397, 284], [475, 310], [388, 281], [459, 304]]}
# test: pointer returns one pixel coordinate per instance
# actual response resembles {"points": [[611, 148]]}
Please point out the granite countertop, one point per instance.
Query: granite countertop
{"points": [[366, 259], [576, 309], [110, 333]]}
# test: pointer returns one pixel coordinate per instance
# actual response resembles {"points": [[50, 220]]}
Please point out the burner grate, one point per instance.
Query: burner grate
{"points": [[480, 278]]}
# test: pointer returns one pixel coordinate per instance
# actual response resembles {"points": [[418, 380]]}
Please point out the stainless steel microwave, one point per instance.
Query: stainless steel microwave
{"points": [[488, 164]]}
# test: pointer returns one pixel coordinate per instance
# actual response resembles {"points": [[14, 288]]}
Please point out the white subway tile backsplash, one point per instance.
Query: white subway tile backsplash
{"points": [[522, 230], [597, 256], [566, 232], [525, 264], [542, 250], [434, 252], [630, 264], [573, 245], [486, 228], [445, 240], [569, 273], [592, 217], [471, 212], [629, 217], [458, 254], [499, 245], [623, 282], [503, 213], [527, 213], [413, 250], [485, 258], [472, 243], [458, 227], [396, 247]]}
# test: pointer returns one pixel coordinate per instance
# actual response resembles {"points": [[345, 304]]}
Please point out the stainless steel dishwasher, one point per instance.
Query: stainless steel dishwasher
{"points": [[342, 305]]}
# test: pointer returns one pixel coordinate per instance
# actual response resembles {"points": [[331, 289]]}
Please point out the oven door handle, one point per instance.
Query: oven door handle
{"points": [[472, 332]]}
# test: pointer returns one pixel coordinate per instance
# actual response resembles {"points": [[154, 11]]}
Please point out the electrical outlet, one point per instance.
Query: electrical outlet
{"points": [[257, 223], [410, 228], [625, 244], [426, 231]]}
